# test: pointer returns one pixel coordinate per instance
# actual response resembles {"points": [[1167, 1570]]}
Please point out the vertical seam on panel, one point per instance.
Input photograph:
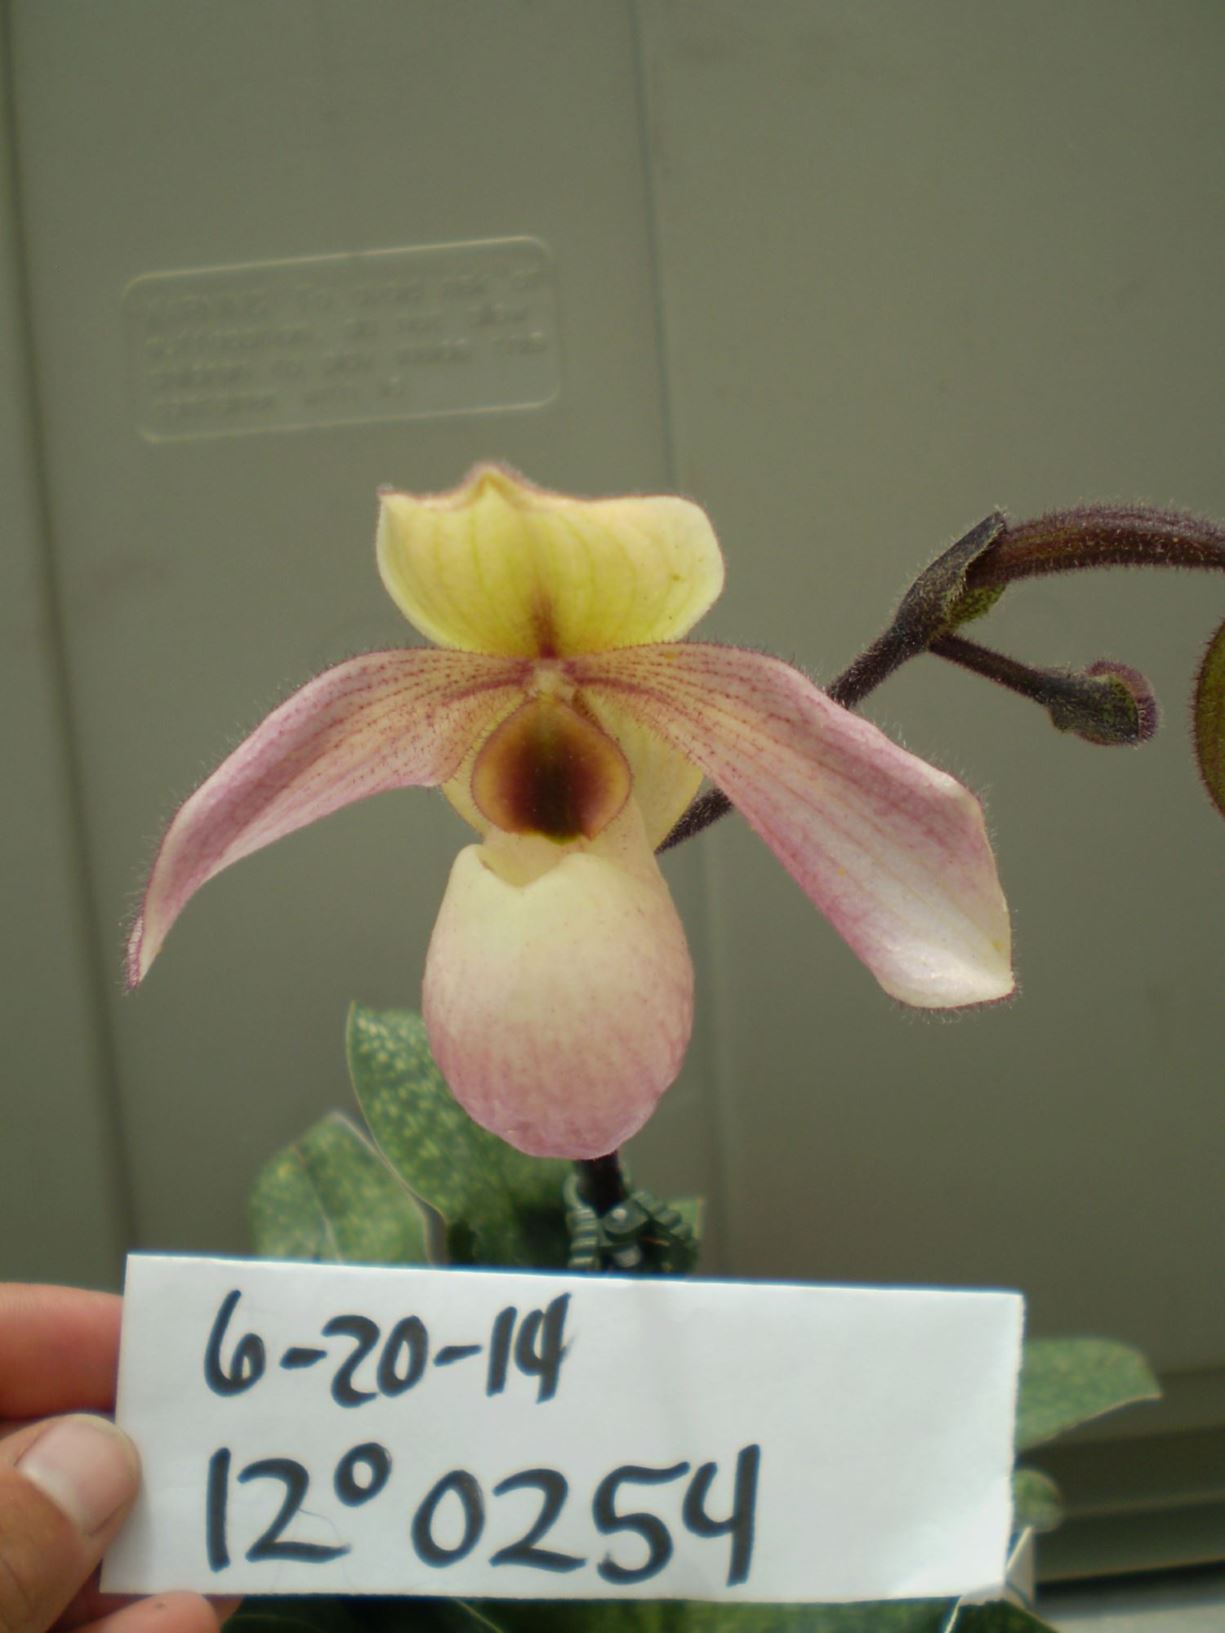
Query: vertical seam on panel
{"points": [[719, 1089], [654, 254], [82, 882]]}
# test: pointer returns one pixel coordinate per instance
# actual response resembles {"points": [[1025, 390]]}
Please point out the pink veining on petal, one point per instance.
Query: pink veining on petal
{"points": [[385, 720], [559, 1007], [894, 852]]}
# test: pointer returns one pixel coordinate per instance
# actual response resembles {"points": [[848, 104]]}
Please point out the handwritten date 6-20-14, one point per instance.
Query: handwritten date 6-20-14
{"points": [[391, 1364]]}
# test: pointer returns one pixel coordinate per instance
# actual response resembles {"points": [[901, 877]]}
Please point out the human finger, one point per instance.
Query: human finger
{"points": [[66, 1486], [91, 1607], [162, 1613], [59, 1349]]}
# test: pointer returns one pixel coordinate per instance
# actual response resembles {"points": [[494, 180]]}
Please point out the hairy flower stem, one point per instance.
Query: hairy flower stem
{"points": [[966, 580], [1106, 703], [1063, 541], [1043, 686], [602, 1182]]}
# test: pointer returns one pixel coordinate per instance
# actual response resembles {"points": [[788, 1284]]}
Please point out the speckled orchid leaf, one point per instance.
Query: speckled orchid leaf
{"points": [[398, 1615], [1209, 719], [499, 1207], [330, 1197], [320, 1613], [1069, 1381], [1036, 1502], [691, 1616], [463, 1617], [328, 1613], [997, 1617]]}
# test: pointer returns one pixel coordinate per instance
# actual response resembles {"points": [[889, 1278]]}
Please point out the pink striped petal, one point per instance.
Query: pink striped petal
{"points": [[385, 720], [892, 851], [558, 989]]}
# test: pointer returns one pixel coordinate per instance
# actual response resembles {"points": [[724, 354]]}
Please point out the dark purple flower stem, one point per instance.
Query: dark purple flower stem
{"points": [[976, 569], [1107, 703], [1065, 541], [602, 1182]]}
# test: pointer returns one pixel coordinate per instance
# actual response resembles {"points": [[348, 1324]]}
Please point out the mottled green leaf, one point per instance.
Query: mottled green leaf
{"points": [[330, 1197], [1209, 719], [997, 1617], [500, 1207], [331, 1615], [902, 1616], [1036, 1503], [317, 1614], [1069, 1381], [426, 1616], [681, 1616], [473, 1618]]}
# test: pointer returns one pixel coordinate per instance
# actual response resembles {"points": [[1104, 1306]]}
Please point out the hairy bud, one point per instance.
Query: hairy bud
{"points": [[1108, 703]]}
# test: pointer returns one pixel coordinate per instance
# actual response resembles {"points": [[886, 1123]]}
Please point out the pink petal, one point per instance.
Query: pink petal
{"points": [[558, 989], [892, 851], [386, 720]]}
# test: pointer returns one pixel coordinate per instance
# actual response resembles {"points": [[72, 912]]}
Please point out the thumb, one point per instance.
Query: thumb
{"points": [[66, 1486]]}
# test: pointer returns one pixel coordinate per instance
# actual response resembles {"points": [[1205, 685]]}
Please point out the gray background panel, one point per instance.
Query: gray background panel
{"points": [[849, 275]]}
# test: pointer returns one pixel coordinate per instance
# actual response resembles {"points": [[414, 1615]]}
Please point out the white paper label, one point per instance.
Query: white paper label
{"points": [[325, 1428]]}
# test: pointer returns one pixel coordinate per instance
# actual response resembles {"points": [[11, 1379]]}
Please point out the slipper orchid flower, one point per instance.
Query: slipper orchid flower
{"points": [[568, 722]]}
